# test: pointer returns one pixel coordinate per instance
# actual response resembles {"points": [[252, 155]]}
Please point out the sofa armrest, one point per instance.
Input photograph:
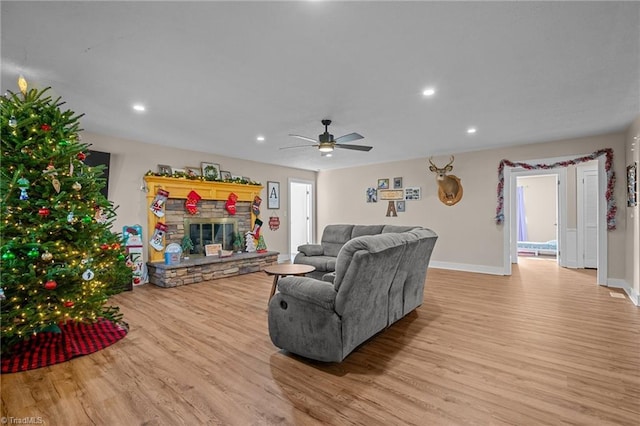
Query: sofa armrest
{"points": [[311, 249], [309, 290]]}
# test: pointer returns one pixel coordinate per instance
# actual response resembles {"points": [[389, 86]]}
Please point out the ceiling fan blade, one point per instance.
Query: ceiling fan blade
{"points": [[298, 146], [304, 137], [354, 147], [350, 137]]}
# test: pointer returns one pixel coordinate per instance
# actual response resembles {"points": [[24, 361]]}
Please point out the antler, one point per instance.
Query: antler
{"points": [[431, 162], [450, 162]]}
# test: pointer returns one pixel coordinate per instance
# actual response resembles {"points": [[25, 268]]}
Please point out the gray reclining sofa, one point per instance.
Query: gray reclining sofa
{"points": [[323, 256], [378, 280]]}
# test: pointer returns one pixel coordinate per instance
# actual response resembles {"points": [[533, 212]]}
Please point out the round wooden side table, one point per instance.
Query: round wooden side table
{"points": [[284, 269]]}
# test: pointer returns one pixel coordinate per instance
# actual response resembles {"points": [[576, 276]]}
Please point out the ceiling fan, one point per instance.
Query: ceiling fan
{"points": [[326, 143]]}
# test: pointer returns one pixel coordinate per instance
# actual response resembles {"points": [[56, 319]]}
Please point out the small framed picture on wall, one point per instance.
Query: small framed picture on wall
{"points": [[273, 195]]}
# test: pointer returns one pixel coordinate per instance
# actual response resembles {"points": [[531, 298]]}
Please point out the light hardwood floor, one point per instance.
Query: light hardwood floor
{"points": [[544, 346]]}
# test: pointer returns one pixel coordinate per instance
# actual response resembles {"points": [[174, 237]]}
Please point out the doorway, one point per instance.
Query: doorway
{"points": [[567, 241], [300, 214], [536, 211]]}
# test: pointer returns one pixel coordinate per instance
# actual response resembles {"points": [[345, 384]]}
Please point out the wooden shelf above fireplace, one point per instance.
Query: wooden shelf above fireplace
{"points": [[178, 188]]}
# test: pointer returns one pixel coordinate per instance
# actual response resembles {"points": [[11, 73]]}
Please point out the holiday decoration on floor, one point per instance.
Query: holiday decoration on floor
{"points": [[191, 205], [159, 200], [49, 199], [230, 204]]}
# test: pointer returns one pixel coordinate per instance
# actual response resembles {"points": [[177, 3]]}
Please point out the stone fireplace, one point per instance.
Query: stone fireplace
{"points": [[212, 223]]}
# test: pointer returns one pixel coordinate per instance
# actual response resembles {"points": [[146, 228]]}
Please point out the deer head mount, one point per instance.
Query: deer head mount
{"points": [[449, 186]]}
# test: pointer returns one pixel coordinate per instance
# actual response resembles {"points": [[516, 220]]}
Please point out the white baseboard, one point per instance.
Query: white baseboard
{"points": [[481, 269], [618, 283]]}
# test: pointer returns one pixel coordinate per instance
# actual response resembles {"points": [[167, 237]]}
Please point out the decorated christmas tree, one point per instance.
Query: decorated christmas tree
{"points": [[60, 260]]}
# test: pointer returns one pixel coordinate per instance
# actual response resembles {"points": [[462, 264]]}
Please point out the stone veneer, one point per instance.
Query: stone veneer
{"points": [[195, 270]]}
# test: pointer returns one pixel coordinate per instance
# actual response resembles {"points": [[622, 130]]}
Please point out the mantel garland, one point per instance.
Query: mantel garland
{"points": [[611, 179]]}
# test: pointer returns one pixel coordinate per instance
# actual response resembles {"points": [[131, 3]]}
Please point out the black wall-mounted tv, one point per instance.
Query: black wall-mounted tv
{"points": [[95, 158]]}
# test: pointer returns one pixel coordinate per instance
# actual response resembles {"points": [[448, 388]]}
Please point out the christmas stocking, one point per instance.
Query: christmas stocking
{"points": [[255, 207], [192, 202], [158, 234], [158, 202], [256, 228], [230, 205]]}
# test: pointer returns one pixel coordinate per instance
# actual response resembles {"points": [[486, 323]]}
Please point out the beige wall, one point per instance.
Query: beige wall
{"points": [[540, 206], [632, 214], [130, 160], [467, 231]]}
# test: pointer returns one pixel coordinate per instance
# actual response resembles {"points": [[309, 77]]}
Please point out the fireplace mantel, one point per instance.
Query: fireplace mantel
{"points": [[180, 187]]}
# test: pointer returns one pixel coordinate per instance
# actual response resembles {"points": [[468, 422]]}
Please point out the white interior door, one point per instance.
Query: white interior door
{"points": [[300, 214], [588, 218]]}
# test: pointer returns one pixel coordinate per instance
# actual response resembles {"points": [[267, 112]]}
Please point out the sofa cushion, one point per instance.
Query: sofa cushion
{"points": [[311, 249], [360, 230], [334, 237], [397, 228], [321, 263]]}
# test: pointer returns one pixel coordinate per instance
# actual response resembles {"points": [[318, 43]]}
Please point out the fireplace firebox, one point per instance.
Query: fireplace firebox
{"points": [[211, 231]]}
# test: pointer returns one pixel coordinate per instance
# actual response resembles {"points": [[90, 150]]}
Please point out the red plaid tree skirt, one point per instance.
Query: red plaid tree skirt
{"points": [[75, 339]]}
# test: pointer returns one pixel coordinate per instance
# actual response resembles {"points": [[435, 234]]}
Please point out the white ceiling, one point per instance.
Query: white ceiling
{"points": [[214, 75]]}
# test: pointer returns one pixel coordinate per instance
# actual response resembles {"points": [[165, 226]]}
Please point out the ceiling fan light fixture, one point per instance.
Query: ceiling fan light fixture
{"points": [[325, 147]]}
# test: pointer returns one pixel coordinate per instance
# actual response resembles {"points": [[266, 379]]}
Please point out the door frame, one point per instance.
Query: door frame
{"points": [[509, 206], [312, 213]]}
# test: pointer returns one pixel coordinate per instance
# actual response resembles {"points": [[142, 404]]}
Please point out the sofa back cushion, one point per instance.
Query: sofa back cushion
{"points": [[334, 237], [397, 228], [360, 230]]}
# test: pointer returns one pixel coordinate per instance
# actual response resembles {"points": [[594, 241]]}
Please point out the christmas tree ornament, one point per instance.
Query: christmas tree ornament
{"points": [[25, 150], [158, 235], [87, 219], [70, 217], [13, 122], [104, 247], [2, 296], [52, 174], [45, 127], [230, 204], [70, 166], [50, 285], [88, 275], [63, 143], [44, 211], [68, 304], [46, 256], [158, 201], [81, 156], [23, 184], [100, 216], [121, 256], [33, 253], [191, 204], [8, 255], [255, 207], [76, 186], [22, 84]]}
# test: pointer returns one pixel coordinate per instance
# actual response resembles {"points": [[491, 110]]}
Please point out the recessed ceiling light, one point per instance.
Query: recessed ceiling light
{"points": [[139, 107], [429, 91], [260, 138], [471, 130]]}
